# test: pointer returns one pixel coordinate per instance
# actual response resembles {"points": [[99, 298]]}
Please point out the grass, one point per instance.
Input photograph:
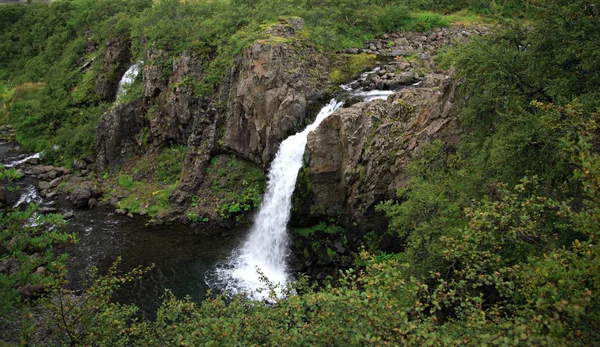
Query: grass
{"points": [[146, 182]]}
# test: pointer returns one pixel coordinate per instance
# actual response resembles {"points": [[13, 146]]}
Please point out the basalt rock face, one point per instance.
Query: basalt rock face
{"points": [[176, 105], [268, 93], [357, 157], [117, 59], [118, 134], [265, 97]]}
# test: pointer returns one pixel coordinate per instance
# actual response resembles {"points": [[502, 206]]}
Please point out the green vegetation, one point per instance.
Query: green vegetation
{"points": [[60, 48], [144, 183], [28, 260], [350, 65], [233, 187], [499, 234]]}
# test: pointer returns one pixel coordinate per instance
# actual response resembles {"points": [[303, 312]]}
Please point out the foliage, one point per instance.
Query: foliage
{"points": [[70, 315], [28, 258], [10, 174]]}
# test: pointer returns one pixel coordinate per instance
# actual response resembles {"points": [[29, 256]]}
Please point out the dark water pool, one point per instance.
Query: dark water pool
{"points": [[182, 256]]}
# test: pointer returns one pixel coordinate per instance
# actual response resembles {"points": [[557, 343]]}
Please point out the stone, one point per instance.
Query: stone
{"points": [[28, 290], [143, 212], [402, 42], [68, 215], [79, 164], [92, 202], [348, 155], [120, 211], [80, 195], [116, 133], [403, 79], [33, 161], [41, 271], [223, 182], [8, 266], [42, 185], [130, 215], [55, 182], [47, 210]]}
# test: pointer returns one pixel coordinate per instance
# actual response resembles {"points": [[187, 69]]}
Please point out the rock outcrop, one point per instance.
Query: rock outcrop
{"points": [[266, 97], [269, 90], [357, 156], [118, 133], [117, 59]]}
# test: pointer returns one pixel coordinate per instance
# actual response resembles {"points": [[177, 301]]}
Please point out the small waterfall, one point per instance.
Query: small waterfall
{"points": [[13, 162], [266, 247], [30, 196], [128, 79]]}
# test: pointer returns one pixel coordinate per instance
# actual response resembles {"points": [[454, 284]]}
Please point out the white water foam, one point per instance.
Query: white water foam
{"points": [[30, 195], [266, 247], [20, 161], [128, 79]]}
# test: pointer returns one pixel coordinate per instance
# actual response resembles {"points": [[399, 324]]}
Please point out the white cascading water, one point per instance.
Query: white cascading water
{"points": [[266, 248], [127, 80]]}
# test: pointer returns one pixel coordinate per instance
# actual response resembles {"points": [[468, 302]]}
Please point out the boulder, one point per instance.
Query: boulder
{"points": [[81, 195], [403, 79], [79, 164]]}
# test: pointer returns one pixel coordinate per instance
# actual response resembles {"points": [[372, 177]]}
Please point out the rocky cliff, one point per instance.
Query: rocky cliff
{"points": [[357, 156], [269, 91], [266, 96]]}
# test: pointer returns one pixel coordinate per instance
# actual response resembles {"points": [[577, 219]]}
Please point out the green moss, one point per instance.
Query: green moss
{"points": [[350, 65]]}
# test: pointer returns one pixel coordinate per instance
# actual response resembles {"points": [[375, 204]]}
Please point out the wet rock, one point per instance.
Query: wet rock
{"points": [[47, 210], [227, 223], [33, 161], [80, 195]]}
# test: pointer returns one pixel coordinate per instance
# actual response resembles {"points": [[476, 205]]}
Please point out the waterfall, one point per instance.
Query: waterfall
{"points": [[127, 80], [266, 247]]}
